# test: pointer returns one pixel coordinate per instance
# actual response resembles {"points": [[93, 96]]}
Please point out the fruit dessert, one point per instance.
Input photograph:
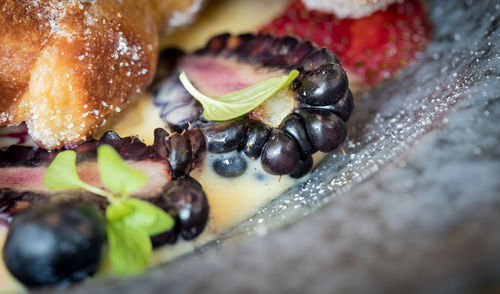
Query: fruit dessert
{"points": [[270, 120], [372, 48], [286, 129], [219, 133], [63, 193]]}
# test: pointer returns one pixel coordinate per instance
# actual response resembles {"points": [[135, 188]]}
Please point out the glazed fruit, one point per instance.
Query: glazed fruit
{"points": [[372, 48], [185, 200], [275, 131], [171, 156], [326, 85], [325, 129], [302, 168], [55, 243], [224, 136], [280, 154], [256, 138], [180, 155], [293, 126], [229, 165]]}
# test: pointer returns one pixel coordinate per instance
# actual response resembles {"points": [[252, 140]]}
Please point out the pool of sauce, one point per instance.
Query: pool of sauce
{"points": [[231, 200]]}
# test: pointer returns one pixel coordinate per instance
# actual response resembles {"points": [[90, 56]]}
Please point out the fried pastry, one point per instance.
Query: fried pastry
{"points": [[67, 67]]}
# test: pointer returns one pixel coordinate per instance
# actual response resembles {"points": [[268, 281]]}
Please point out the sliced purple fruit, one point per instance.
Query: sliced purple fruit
{"points": [[170, 157], [229, 63], [179, 112]]}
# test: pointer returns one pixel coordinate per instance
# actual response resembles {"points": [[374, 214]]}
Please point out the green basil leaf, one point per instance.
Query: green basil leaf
{"points": [[116, 175], [61, 173], [237, 103], [117, 210], [148, 217], [129, 249]]}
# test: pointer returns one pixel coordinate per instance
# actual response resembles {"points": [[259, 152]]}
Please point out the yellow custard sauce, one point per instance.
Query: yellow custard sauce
{"points": [[231, 200]]}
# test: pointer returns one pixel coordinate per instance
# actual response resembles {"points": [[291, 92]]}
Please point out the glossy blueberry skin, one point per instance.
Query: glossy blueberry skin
{"points": [[168, 237], [294, 127], [325, 129], [256, 137], [302, 168], [55, 243], [324, 86], [230, 165], [280, 154], [318, 58], [222, 137], [343, 108], [180, 156], [186, 201]]}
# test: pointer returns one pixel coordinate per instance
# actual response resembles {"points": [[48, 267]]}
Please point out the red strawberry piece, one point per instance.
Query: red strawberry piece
{"points": [[371, 48]]}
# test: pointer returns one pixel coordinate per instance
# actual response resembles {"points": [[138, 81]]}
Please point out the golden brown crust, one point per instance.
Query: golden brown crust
{"points": [[67, 66]]}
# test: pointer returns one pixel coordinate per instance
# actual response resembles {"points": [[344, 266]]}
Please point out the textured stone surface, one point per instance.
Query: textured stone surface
{"points": [[414, 207]]}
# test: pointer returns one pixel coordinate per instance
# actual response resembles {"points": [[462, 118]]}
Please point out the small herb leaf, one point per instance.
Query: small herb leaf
{"points": [[130, 221], [116, 175], [148, 217], [61, 174], [129, 249], [237, 103], [117, 211]]}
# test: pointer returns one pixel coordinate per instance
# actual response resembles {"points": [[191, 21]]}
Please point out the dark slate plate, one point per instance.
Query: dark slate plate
{"points": [[414, 207]]}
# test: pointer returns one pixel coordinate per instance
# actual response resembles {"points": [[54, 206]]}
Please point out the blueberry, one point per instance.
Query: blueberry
{"points": [[54, 244], [222, 137], [179, 154], [324, 86], [186, 201], [318, 58], [257, 136], [294, 127], [343, 108], [168, 237], [325, 129], [230, 165], [302, 168], [280, 154]]}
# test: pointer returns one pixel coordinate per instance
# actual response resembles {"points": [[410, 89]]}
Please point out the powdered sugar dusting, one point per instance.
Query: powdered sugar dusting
{"points": [[91, 49]]}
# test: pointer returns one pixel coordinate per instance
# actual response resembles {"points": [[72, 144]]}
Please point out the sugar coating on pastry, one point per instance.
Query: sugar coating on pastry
{"points": [[68, 67], [348, 8]]}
